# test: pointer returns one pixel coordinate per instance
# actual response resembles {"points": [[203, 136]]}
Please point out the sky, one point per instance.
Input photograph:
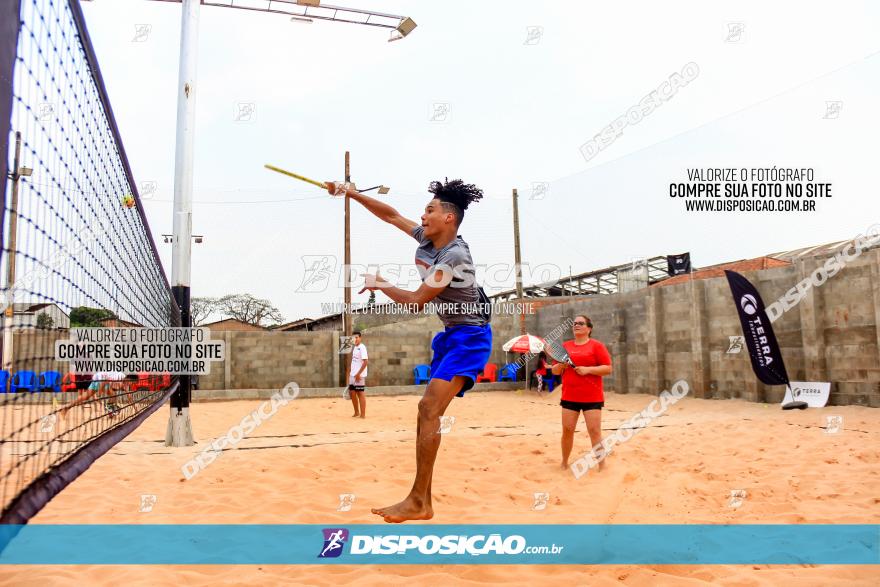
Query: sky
{"points": [[502, 95]]}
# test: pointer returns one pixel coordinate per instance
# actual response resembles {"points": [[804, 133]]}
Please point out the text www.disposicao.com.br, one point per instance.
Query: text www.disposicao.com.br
{"points": [[750, 205]]}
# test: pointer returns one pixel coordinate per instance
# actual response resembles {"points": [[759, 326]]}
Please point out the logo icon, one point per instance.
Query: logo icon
{"points": [[244, 112], [832, 109], [736, 344], [47, 423], [833, 424], [540, 189], [749, 304], [446, 423], [737, 496], [45, 111], [147, 189], [439, 112], [639, 265], [141, 32], [346, 500], [334, 540], [346, 344], [735, 31], [319, 269], [541, 500], [147, 503], [533, 35]]}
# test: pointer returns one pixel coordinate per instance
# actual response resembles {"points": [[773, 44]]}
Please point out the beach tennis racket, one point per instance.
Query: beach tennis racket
{"points": [[557, 352], [314, 182]]}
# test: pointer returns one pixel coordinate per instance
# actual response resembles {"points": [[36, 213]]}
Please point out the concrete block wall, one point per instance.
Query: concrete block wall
{"points": [[655, 335], [271, 360], [659, 335], [395, 349]]}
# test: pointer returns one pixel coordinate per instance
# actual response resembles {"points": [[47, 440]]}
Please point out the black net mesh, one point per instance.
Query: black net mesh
{"points": [[77, 251]]}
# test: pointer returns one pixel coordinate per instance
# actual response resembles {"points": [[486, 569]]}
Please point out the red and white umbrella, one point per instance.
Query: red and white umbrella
{"points": [[525, 343]]}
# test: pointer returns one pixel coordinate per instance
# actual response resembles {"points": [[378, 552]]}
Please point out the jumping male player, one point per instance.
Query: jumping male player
{"points": [[460, 353]]}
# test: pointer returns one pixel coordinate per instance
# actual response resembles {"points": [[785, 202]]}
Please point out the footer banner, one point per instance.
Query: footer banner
{"points": [[491, 544]]}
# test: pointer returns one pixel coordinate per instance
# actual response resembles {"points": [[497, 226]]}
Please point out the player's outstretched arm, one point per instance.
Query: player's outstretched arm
{"points": [[381, 210], [430, 289]]}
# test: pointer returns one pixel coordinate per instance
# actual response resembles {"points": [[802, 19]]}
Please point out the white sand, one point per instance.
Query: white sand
{"points": [[502, 449]]}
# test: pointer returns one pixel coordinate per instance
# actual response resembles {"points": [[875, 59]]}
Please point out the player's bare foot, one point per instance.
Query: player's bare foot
{"points": [[362, 417], [564, 466], [408, 509], [356, 415]]}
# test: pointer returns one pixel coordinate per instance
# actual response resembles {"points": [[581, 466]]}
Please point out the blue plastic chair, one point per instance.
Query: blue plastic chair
{"points": [[508, 372], [4, 381], [550, 380], [422, 373], [26, 380], [50, 380]]}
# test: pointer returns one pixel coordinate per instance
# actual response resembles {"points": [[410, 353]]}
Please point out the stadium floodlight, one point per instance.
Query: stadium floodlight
{"points": [[406, 26], [309, 10], [383, 189]]}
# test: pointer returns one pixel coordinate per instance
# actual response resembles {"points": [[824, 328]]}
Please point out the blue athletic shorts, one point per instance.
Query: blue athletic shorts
{"points": [[461, 350]]}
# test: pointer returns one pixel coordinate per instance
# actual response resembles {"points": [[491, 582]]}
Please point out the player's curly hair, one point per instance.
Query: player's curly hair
{"points": [[456, 196]]}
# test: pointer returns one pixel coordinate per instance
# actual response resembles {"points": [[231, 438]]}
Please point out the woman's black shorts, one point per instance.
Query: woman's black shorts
{"points": [[578, 406]]}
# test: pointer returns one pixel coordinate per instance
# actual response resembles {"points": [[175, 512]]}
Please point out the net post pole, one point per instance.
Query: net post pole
{"points": [[179, 431]]}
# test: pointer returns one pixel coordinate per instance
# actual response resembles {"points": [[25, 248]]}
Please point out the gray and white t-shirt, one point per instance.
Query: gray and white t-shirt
{"points": [[459, 302]]}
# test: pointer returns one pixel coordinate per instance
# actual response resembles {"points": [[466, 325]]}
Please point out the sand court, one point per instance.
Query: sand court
{"points": [[502, 449]]}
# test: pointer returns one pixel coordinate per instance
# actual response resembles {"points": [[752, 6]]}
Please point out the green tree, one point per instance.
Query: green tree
{"points": [[85, 317], [372, 300], [45, 321]]}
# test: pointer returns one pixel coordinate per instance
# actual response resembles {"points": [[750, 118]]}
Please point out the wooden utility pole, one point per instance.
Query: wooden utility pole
{"points": [[519, 286], [346, 311], [518, 260], [347, 314], [10, 262]]}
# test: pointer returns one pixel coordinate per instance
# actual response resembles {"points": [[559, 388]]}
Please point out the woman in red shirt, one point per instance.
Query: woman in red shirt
{"points": [[582, 386]]}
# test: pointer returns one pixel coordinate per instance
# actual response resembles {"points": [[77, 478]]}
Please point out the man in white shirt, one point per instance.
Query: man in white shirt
{"points": [[357, 377]]}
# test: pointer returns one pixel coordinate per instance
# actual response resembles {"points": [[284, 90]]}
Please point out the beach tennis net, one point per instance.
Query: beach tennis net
{"points": [[76, 252]]}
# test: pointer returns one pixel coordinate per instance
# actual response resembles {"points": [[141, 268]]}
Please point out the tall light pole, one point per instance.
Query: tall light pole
{"points": [[179, 430]]}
